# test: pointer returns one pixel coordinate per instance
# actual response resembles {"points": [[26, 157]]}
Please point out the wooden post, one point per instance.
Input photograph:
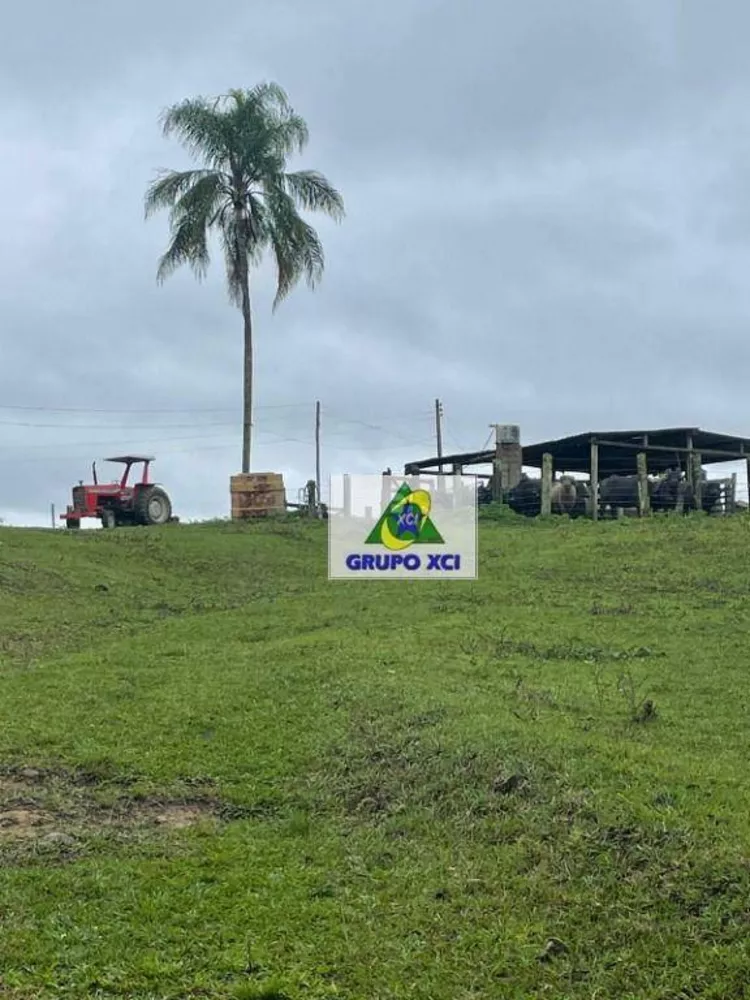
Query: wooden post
{"points": [[546, 484], [498, 480], [690, 465], [747, 473], [317, 451], [594, 472], [730, 501], [52, 513], [696, 463], [643, 498], [347, 495], [311, 494]]}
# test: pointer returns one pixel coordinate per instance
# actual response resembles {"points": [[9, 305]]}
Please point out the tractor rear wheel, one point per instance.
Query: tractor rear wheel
{"points": [[152, 506]]}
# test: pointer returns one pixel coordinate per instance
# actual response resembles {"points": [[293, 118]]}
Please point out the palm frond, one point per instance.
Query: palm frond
{"points": [[263, 131], [190, 218], [202, 128], [188, 245], [267, 102], [169, 186], [266, 94], [291, 134], [295, 244], [314, 192]]}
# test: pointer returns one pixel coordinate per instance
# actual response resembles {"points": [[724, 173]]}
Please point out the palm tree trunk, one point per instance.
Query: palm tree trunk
{"points": [[247, 402]]}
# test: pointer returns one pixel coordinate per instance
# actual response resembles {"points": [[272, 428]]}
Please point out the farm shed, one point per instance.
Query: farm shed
{"points": [[617, 450], [601, 454]]}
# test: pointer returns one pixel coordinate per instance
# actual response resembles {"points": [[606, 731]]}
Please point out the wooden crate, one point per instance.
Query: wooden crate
{"points": [[256, 494]]}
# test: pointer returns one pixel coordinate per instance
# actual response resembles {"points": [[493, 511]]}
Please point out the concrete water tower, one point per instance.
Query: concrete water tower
{"points": [[508, 461]]}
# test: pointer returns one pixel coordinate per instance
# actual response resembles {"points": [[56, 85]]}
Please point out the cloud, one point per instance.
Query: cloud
{"points": [[547, 221]]}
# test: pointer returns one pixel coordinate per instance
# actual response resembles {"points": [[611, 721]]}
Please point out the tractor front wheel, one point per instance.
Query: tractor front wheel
{"points": [[72, 522], [152, 506], [108, 518]]}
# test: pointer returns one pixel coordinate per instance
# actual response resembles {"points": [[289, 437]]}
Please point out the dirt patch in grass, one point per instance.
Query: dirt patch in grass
{"points": [[23, 822], [48, 809], [10, 787], [148, 812]]}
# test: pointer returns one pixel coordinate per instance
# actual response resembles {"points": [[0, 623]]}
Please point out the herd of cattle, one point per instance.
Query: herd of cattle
{"points": [[573, 496]]}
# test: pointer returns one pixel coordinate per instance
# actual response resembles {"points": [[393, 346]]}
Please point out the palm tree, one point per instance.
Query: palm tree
{"points": [[244, 193]]}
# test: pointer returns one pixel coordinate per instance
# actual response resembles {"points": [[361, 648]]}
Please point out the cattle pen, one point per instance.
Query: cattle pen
{"points": [[600, 455]]}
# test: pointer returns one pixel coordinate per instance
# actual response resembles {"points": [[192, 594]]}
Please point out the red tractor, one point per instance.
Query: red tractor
{"points": [[118, 503]]}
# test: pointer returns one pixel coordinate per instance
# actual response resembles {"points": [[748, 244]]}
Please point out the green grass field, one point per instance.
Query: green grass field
{"points": [[222, 775]]}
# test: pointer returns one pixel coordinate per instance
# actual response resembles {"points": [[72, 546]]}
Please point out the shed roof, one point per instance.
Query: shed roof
{"points": [[618, 451], [665, 448]]}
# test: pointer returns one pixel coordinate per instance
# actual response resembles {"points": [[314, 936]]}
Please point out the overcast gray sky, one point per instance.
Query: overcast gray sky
{"points": [[548, 219]]}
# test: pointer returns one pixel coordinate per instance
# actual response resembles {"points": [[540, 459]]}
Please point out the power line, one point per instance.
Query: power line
{"points": [[392, 447], [83, 456], [376, 427], [141, 409], [67, 427], [108, 443], [333, 415]]}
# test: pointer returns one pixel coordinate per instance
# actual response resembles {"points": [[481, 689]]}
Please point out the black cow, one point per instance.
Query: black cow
{"points": [[668, 495], [710, 496], [619, 491], [526, 497], [665, 493], [484, 494], [622, 491]]}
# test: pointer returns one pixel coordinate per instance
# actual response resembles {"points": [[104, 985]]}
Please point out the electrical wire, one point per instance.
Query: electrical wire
{"points": [[141, 409], [486, 444], [335, 425], [66, 427]]}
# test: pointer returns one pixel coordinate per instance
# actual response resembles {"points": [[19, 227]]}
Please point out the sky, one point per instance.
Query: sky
{"points": [[548, 222]]}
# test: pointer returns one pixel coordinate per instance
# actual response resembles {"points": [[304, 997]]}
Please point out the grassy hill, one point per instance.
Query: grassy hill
{"points": [[222, 775]]}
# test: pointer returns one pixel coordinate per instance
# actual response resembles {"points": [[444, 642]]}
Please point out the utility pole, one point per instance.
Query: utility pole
{"points": [[317, 454], [439, 430]]}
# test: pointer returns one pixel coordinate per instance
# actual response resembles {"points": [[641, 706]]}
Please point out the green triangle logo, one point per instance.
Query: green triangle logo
{"points": [[406, 521]]}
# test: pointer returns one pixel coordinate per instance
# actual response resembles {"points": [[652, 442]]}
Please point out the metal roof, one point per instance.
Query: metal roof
{"points": [[464, 458], [618, 449]]}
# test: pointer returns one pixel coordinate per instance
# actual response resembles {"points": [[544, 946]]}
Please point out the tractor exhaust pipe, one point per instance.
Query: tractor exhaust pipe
{"points": [[93, 472]]}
